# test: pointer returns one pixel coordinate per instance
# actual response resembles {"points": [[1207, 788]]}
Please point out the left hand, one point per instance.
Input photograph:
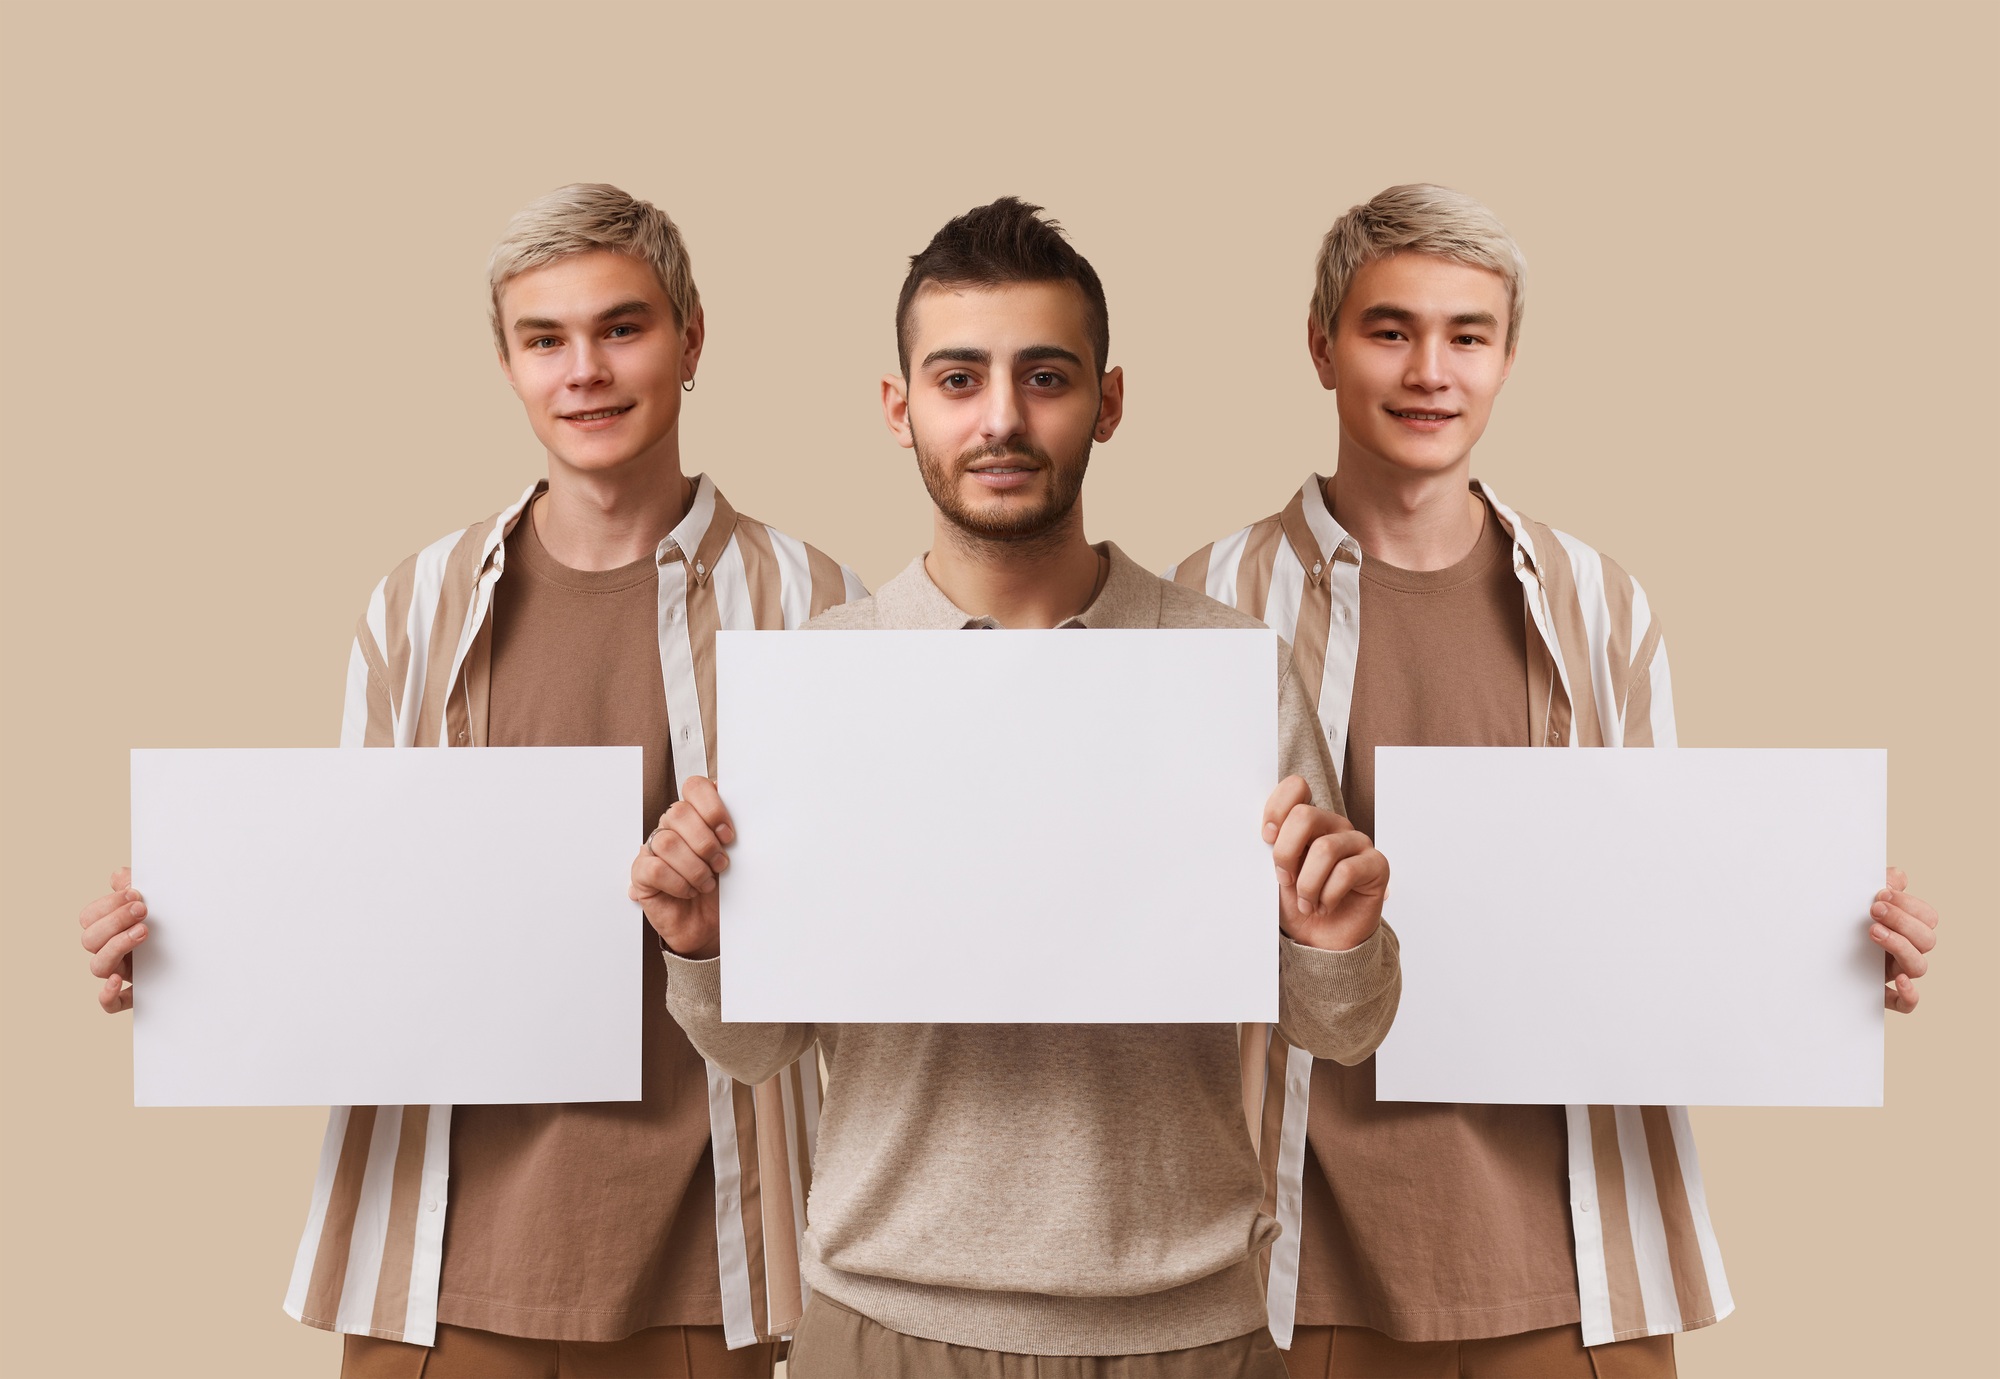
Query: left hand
{"points": [[1331, 880], [1903, 927]]}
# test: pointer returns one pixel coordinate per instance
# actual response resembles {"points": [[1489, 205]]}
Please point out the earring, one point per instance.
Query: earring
{"points": [[688, 386]]}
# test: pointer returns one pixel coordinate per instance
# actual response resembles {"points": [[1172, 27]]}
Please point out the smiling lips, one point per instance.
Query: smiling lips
{"points": [[599, 417], [1002, 476], [1421, 418]]}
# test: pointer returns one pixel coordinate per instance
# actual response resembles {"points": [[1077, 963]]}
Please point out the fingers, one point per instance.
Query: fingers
{"points": [[1364, 872], [1898, 879], [1292, 792], [1323, 859], [117, 921], [700, 793], [1922, 936], [1900, 950], [105, 904], [1900, 995], [651, 875], [114, 995], [1901, 899], [1296, 833], [682, 820], [114, 956]]}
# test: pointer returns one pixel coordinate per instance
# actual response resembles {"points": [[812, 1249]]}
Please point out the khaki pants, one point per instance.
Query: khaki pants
{"points": [[1556, 1352], [834, 1342], [661, 1352]]}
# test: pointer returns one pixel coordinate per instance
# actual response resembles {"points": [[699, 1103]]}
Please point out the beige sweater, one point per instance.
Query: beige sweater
{"points": [[1052, 1189]]}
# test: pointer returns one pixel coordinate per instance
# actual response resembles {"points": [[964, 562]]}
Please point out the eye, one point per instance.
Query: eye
{"points": [[955, 381], [1470, 340], [1390, 335], [542, 342], [620, 332], [1045, 378]]}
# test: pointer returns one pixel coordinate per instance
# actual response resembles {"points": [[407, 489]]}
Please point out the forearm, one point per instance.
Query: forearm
{"points": [[747, 1051], [1339, 1005]]}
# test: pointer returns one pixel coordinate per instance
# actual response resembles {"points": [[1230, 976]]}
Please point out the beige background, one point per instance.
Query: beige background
{"points": [[247, 369]]}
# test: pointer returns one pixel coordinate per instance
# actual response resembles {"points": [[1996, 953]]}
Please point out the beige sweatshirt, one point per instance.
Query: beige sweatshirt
{"points": [[1052, 1189]]}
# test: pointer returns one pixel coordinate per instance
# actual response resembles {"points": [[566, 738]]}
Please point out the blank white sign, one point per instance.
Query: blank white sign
{"points": [[1637, 927], [1016, 826], [343, 927]]}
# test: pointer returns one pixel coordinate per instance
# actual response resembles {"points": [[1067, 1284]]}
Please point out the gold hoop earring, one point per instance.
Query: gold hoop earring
{"points": [[688, 386]]}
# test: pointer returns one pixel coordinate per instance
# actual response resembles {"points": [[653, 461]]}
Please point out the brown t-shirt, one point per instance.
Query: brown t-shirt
{"points": [[1434, 1222], [591, 1221]]}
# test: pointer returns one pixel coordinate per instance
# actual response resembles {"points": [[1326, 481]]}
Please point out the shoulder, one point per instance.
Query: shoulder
{"points": [[1183, 606], [1219, 559], [853, 615], [796, 566]]}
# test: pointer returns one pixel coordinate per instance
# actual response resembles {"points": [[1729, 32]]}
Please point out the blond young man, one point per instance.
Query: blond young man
{"points": [[623, 1238], [1019, 1199], [1441, 1240]]}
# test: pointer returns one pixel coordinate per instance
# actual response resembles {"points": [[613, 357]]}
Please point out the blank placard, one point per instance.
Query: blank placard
{"points": [[385, 927], [1635, 927], [1017, 826]]}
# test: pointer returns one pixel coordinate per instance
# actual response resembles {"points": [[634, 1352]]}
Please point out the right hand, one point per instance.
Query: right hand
{"points": [[675, 875], [113, 925]]}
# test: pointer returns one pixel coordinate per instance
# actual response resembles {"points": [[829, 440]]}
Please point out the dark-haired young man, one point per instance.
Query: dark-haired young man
{"points": [[1432, 1240], [1016, 1200]]}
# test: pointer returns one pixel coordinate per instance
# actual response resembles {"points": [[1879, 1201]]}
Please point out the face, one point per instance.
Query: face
{"points": [[1002, 404], [597, 361], [1418, 356]]}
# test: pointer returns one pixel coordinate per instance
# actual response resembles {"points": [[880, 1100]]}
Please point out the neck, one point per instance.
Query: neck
{"points": [[1038, 582], [603, 519], [1408, 519]]}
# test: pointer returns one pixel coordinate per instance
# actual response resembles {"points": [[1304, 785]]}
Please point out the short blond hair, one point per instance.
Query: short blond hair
{"points": [[593, 215], [1418, 218]]}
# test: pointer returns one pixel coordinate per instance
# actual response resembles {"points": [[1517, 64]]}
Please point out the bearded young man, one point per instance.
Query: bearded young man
{"points": [[1032, 1199], [496, 1242], [1437, 1240]]}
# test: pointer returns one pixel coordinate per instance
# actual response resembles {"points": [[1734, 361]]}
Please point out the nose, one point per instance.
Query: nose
{"points": [[588, 365], [1001, 419], [1426, 369]]}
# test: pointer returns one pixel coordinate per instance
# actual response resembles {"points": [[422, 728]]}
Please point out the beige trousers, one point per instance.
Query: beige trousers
{"points": [[660, 1352], [1555, 1352]]}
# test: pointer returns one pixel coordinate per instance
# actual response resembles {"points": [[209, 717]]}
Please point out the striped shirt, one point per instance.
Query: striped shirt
{"points": [[1646, 1257], [419, 676]]}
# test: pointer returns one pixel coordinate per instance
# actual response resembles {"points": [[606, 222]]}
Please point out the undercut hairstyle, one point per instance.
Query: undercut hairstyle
{"points": [[593, 215], [1419, 218], [1004, 241]]}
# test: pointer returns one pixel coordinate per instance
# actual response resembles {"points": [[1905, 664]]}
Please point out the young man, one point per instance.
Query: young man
{"points": [[629, 1238], [1015, 1200], [1461, 1240]]}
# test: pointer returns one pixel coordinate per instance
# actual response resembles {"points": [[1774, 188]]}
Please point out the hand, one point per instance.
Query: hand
{"points": [[113, 925], [1331, 880], [676, 872], [1903, 927]]}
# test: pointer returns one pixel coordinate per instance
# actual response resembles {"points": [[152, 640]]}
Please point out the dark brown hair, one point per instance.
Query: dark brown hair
{"points": [[1004, 241]]}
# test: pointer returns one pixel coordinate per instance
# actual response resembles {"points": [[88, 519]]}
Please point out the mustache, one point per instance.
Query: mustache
{"points": [[1002, 450]]}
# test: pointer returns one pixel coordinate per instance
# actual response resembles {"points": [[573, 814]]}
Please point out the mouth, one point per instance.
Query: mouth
{"points": [[1422, 418], [1003, 475], [595, 415]]}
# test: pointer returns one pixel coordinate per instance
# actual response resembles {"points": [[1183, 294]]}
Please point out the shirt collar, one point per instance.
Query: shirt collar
{"points": [[704, 530], [1318, 540], [1130, 598]]}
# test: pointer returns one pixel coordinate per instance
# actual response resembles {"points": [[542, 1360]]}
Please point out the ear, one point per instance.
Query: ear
{"points": [[1507, 369], [1320, 346], [691, 340], [896, 409], [1110, 404], [506, 369]]}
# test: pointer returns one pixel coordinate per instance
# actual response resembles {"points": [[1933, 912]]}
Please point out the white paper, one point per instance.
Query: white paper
{"points": [[991, 826], [338, 927], [1639, 927]]}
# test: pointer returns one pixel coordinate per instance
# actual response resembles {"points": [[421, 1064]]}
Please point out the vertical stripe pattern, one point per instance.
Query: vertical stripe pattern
{"points": [[418, 674], [1647, 1258]]}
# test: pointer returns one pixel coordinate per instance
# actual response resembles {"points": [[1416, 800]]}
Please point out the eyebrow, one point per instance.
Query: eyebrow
{"points": [[636, 307], [1408, 317], [966, 354]]}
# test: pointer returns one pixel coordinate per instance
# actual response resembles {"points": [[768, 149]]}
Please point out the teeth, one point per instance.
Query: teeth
{"points": [[596, 416]]}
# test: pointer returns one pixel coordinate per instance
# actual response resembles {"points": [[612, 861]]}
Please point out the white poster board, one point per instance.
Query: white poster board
{"points": [[386, 927], [1637, 927], [1018, 826]]}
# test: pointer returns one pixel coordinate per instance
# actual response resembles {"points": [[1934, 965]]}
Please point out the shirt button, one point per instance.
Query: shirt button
{"points": [[1316, 567], [700, 568], [684, 734], [461, 737], [431, 1205]]}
